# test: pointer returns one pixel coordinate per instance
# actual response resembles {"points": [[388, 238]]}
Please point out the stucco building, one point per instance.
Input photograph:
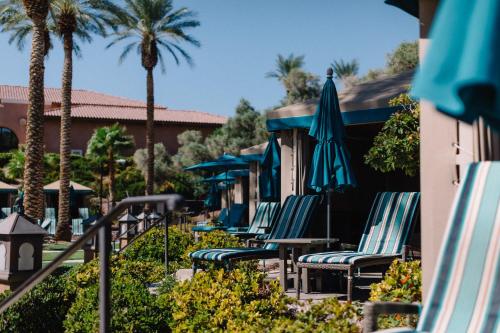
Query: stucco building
{"points": [[91, 110]]}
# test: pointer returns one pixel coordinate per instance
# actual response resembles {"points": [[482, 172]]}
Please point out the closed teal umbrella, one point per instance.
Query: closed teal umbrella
{"points": [[330, 169], [270, 177], [213, 198], [460, 73]]}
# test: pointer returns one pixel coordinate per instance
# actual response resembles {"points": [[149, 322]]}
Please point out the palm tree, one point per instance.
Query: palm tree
{"points": [[36, 11], [284, 65], [107, 143], [67, 18], [149, 26], [80, 18], [344, 69]]}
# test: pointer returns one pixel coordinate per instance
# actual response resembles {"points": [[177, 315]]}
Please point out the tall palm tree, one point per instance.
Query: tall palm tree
{"points": [[37, 11], [67, 18], [284, 65], [150, 26], [108, 143], [344, 69], [71, 18]]}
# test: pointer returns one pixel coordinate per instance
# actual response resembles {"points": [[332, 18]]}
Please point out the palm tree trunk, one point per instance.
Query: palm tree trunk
{"points": [[150, 132], [111, 169], [63, 228], [33, 167]]}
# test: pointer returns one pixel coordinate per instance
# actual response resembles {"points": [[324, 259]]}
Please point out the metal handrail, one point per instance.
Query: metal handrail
{"points": [[103, 225]]}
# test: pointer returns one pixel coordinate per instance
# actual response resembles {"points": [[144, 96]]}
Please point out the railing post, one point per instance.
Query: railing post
{"points": [[104, 278], [167, 220]]}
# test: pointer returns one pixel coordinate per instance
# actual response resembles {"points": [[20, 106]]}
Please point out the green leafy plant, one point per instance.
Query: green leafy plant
{"points": [[133, 309], [396, 147], [151, 245], [401, 283], [41, 310], [328, 315], [224, 301]]}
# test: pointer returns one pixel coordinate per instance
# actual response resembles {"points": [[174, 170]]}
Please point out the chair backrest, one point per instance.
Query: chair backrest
{"points": [[222, 218], [465, 292], [77, 227], [84, 213], [271, 215], [258, 218], [295, 218], [236, 213], [6, 211], [280, 227], [390, 222], [264, 217], [50, 213]]}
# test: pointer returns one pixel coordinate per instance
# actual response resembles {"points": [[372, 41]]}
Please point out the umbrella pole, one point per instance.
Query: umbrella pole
{"points": [[328, 216]]}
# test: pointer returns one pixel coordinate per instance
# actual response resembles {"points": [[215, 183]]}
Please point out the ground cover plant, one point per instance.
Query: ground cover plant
{"points": [[401, 283]]}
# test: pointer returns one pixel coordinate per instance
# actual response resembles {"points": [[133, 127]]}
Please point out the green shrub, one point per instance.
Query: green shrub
{"points": [[223, 301], [151, 245], [87, 275], [401, 283], [396, 146], [41, 310], [329, 315], [133, 309]]}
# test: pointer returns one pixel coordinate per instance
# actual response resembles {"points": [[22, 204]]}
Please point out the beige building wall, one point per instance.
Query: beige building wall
{"points": [[287, 165], [445, 149]]}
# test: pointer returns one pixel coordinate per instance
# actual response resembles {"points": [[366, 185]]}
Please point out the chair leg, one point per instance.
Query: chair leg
{"points": [[195, 267], [297, 281], [350, 282]]}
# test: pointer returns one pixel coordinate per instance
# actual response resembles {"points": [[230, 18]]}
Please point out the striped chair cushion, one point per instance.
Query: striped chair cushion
{"points": [[465, 295], [292, 214], [341, 257], [299, 221], [207, 228], [386, 232], [230, 253], [389, 223], [258, 218]]}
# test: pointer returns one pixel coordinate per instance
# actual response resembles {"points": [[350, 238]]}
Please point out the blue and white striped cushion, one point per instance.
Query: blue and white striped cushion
{"points": [[341, 257], [229, 253], [465, 295]]}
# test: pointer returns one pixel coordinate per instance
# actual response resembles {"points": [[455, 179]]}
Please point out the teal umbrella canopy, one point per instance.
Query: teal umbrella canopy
{"points": [[331, 167], [224, 162], [228, 176], [270, 178], [460, 73]]}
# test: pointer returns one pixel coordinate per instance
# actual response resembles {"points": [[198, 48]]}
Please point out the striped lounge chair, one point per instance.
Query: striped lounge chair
{"points": [[228, 220], [386, 233], [264, 218], [50, 221], [465, 292], [292, 222]]}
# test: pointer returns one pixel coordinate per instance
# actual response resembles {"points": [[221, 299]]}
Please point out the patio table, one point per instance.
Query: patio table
{"points": [[299, 246]]}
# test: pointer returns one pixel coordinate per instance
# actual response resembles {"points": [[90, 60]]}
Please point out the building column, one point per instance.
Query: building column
{"points": [[438, 164]]}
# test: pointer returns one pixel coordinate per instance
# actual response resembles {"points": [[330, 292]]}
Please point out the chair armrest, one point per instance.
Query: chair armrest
{"points": [[371, 312]]}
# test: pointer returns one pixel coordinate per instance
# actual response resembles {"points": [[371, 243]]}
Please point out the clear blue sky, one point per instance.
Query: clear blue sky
{"points": [[240, 41]]}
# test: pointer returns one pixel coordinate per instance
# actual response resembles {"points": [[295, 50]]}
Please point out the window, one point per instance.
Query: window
{"points": [[78, 152], [8, 140]]}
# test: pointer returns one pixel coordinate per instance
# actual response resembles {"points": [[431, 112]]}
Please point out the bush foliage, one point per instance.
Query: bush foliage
{"points": [[401, 283], [397, 145]]}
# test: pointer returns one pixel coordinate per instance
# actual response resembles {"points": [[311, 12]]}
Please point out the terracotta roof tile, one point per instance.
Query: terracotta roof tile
{"points": [[133, 113], [89, 104], [53, 96]]}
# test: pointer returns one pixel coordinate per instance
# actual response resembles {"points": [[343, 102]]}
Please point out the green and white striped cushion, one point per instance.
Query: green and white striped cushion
{"points": [[465, 295]]}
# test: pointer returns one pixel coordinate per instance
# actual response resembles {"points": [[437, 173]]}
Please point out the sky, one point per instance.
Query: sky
{"points": [[240, 42]]}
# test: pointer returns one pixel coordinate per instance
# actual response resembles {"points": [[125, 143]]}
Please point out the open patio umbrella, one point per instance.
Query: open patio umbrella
{"points": [[224, 163], [270, 177], [330, 168], [460, 73]]}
